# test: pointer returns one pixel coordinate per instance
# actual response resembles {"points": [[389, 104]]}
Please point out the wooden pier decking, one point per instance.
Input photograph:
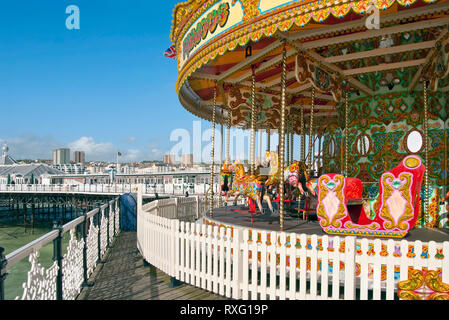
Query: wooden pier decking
{"points": [[123, 276]]}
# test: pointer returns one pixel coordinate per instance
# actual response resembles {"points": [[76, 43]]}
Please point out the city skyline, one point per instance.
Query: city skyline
{"points": [[104, 88]]}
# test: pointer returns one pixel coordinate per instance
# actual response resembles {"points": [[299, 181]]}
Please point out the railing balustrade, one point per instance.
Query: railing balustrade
{"points": [[243, 263], [152, 189], [64, 279]]}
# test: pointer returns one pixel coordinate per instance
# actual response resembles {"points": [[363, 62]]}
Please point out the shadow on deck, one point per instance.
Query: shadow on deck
{"points": [[123, 276]]}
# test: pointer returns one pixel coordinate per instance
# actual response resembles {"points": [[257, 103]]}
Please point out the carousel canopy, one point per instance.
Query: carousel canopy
{"points": [[332, 47]]}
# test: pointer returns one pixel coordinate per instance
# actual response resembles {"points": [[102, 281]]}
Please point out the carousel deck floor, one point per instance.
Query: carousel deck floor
{"points": [[293, 223]]}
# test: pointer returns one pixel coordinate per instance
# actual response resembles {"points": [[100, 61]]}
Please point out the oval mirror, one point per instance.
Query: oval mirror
{"points": [[414, 141], [331, 148], [363, 145]]}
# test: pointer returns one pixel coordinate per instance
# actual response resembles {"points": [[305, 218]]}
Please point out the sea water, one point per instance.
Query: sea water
{"points": [[13, 237]]}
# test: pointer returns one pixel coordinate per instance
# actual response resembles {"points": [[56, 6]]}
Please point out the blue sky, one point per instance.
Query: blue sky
{"points": [[102, 88]]}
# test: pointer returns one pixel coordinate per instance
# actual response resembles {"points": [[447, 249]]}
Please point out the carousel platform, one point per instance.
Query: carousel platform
{"points": [[293, 223]]}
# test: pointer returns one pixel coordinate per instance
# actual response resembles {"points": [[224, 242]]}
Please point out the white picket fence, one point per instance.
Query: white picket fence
{"points": [[256, 264]]}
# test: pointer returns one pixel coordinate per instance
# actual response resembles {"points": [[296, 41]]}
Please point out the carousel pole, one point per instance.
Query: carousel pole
{"points": [[282, 138], [426, 153], [303, 136], [288, 143], [221, 141], [268, 140], [319, 164], [311, 131], [228, 138], [292, 143], [253, 122], [221, 154], [260, 146], [346, 133], [212, 155]]}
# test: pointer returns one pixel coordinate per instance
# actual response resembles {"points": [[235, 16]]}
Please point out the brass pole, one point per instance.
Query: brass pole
{"points": [[212, 155], [303, 136], [268, 140], [253, 123], [426, 154], [292, 144], [282, 138], [288, 143], [228, 137], [221, 154], [346, 133], [311, 131]]}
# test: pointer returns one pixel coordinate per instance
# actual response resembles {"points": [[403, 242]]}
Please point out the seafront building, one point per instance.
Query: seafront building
{"points": [[61, 156]]}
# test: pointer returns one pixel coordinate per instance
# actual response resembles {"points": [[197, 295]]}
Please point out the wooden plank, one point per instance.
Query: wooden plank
{"points": [[381, 51], [384, 67], [272, 256], [390, 270]]}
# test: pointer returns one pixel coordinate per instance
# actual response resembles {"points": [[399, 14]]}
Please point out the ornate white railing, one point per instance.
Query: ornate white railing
{"points": [[245, 263], [64, 279], [152, 189]]}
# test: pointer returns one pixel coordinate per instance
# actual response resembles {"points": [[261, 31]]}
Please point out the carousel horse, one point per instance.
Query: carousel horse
{"points": [[299, 185], [296, 176], [251, 186], [226, 180], [341, 209]]}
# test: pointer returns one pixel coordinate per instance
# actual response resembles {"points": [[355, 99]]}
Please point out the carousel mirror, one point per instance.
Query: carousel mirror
{"points": [[363, 145], [414, 141], [331, 148]]}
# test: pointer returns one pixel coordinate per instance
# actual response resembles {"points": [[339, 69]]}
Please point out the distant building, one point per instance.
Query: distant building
{"points": [[170, 159], [77, 168], [79, 157], [61, 156], [5, 158], [186, 160], [12, 172]]}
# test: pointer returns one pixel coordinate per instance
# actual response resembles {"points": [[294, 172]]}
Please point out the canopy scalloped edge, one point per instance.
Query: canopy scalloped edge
{"points": [[266, 25]]}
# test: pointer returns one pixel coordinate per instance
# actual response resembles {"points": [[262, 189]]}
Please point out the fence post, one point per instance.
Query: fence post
{"points": [[107, 211], [57, 256], [84, 229], [173, 281], [176, 209], [115, 216], [3, 274], [349, 293], [99, 235], [197, 201]]}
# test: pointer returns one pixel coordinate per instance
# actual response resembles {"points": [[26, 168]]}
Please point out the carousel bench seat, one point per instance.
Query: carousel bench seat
{"points": [[341, 210]]}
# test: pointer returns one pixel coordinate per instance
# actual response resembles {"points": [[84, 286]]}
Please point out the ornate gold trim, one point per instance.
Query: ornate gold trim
{"points": [[386, 180]]}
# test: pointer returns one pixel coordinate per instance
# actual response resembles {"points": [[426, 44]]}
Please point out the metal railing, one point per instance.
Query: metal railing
{"points": [[160, 189], [64, 279]]}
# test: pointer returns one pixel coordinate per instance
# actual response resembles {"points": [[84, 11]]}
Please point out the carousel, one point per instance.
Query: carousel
{"points": [[360, 85]]}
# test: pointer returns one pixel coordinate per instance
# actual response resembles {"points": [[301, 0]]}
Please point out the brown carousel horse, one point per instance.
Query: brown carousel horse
{"points": [[250, 186]]}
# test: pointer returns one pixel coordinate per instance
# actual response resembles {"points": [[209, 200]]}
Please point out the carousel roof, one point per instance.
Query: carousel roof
{"points": [[329, 47]]}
